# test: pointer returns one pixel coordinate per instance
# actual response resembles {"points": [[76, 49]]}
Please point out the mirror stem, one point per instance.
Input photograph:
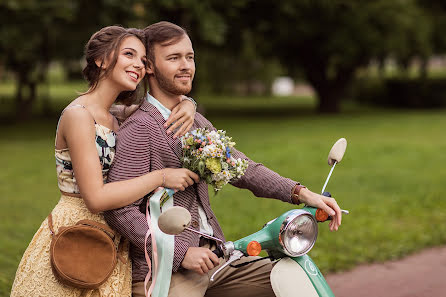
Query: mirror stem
{"points": [[328, 177], [205, 235]]}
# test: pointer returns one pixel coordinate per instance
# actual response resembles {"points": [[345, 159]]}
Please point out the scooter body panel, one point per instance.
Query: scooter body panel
{"points": [[298, 276], [289, 279], [315, 276]]}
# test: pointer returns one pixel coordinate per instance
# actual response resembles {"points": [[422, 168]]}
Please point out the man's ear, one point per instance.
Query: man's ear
{"points": [[150, 68]]}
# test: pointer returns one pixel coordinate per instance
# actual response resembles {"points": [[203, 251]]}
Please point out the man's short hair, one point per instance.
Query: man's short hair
{"points": [[163, 33]]}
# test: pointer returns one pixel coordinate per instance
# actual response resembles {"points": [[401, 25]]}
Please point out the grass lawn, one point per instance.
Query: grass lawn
{"points": [[391, 178]]}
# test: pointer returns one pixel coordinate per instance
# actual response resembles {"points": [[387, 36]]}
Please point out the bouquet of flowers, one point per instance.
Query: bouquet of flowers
{"points": [[208, 153]]}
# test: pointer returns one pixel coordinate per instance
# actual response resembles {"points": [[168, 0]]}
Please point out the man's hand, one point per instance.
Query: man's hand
{"points": [[200, 260], [328, 204]]}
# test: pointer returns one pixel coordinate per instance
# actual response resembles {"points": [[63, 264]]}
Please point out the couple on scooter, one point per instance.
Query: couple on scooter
{"points": [[144, 157], [144, 146]]}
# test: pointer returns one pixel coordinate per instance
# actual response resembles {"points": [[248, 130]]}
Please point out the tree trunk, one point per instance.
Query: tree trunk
{"points": [[329, 91], [329, 100], [25, 100], [381, 67], [19, 91], [424, 67]]}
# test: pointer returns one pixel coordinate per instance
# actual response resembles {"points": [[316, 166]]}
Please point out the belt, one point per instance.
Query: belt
{"points": [[71, 194]]}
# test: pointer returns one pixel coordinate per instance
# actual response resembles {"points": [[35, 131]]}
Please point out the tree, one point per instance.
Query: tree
{"points": [[326, 40], [436, 12], [24, 43], [220, 48], [34, 33], [331, 39]]}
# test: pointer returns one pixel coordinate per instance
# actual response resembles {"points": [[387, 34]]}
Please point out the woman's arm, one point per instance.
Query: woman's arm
{"points": [[182, 117], [122, 112], [77, 128]]}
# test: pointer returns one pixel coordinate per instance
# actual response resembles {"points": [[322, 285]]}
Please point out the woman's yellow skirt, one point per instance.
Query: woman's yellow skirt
{"points": [[34, 276]]}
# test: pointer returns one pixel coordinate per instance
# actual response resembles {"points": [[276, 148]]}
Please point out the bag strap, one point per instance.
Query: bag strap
{"points": [[50, 224], [120, 249], [99, 226]]}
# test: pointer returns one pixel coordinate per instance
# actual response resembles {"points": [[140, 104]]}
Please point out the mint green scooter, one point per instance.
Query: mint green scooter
{"points": [[287, 240]]}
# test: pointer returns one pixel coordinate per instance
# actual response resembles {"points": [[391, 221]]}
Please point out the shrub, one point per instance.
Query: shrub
{"points": [[401, 92]]}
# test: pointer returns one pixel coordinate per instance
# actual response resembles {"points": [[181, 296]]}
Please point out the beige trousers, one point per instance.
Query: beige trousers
{"points": [[250, 280]]}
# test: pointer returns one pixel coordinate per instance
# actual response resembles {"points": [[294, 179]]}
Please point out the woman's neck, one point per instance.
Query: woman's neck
{"points": [[103, 96], [99, 101]]}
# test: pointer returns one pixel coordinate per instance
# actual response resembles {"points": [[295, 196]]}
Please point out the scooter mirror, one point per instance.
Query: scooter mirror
{"points": [[174, 220], [337, 151]]}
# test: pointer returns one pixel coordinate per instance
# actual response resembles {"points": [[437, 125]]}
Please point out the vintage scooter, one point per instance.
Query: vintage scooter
{"points": [[287, 240]]}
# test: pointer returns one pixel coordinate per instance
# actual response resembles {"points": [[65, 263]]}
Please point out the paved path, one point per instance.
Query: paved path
{"points": [[419, 275]]}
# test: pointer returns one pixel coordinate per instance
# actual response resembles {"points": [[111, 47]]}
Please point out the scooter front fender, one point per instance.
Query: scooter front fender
{"points": [[298, 276]]}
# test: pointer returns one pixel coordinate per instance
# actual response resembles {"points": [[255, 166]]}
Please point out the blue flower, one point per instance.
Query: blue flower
{"points": [[228, 152]]}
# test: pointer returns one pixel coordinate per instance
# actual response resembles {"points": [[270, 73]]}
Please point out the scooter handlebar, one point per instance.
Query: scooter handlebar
{"points": [[218, 252], [327, 194]]}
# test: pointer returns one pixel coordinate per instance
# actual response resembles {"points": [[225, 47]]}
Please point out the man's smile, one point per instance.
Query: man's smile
{"points": [[183, 77]]}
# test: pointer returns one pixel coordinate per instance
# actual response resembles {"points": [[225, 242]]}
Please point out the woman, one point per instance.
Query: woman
{"points": [[84, 149]]}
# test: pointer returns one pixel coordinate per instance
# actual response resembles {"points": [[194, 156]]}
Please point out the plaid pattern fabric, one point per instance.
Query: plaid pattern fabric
{"points": [[143, 146]]}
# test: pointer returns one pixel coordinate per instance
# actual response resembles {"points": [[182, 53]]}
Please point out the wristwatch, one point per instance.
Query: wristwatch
{"points": [[296, 192]]}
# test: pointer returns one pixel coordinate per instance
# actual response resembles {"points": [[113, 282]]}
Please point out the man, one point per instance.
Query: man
{"points": [[143, 145]]}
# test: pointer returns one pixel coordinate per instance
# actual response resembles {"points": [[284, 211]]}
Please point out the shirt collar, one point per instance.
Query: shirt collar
{"points": [[165, 112]]}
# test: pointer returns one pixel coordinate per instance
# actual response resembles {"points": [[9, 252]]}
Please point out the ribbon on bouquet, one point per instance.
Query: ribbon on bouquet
{"points": [[162, 245]]}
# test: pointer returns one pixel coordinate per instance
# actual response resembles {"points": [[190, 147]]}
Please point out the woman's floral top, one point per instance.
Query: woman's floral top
{"points": [[105, 144]]}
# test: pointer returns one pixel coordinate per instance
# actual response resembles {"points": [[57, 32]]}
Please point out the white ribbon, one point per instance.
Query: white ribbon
{"points": [[162, 245]]}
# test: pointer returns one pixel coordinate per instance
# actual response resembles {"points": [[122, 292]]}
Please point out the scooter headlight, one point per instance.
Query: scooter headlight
{"points": [[298, 233]]}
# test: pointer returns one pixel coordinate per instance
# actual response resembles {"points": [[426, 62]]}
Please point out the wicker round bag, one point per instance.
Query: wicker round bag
{"points": [[83, 255]]}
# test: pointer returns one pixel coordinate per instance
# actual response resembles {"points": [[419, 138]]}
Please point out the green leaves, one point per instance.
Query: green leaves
{"points": [[201, 167]]}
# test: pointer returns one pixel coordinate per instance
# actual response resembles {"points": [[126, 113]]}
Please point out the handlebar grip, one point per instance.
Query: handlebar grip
{"points": [[218, 252], [321, 215]]}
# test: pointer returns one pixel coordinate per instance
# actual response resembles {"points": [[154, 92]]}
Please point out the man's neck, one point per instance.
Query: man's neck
{"points": [[167, 100]]}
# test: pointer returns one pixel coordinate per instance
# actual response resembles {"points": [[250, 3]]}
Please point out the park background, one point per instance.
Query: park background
{"points": [[372, 72]]}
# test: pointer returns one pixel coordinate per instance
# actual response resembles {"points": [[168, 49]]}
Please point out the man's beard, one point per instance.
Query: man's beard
{"points": [[169, 86]]}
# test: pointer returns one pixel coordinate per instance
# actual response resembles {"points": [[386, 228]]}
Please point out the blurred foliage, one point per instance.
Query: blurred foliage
{"points": [[436, 10], [240, 47], [401, 92], [331, 39]]}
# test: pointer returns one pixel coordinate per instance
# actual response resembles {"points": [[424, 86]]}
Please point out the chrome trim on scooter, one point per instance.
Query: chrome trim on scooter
{"points": [[228, 248], [236, 255], [285, 225]]}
